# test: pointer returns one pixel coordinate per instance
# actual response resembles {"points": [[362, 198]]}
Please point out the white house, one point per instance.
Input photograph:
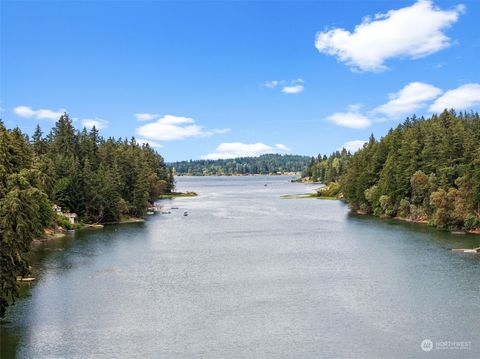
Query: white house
{"points": [[72, 217]]}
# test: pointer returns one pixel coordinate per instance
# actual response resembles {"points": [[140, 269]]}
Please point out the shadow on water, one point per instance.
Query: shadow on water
{"points": [[53, 256], [439, 237], [9, 341]]}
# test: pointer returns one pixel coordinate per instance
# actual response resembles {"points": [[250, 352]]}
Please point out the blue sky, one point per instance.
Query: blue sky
{"points": [[229, 78]]}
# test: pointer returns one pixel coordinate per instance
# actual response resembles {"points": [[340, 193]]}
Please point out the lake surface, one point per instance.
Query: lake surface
{"points": [[248, 274]]}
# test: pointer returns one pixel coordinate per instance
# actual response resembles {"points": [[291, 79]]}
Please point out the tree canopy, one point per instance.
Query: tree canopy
{"points": [[99, 179], [423, 170]]}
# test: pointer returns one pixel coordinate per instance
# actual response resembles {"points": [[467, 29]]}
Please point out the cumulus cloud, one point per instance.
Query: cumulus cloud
{"points": [[91, 122], [353, 146], [410, 98], [282, 147], [41, 114], [288, 87], [146, 116], [237, 149], [170, 128], [292, 89], [411, 32], [150, 143], [461, 98], [350, 119]]}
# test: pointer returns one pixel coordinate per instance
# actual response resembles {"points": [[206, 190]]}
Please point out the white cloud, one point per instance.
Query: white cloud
{"points": [[461, 98], [28, 112], [288, 87], [149, 142], [410, 98], [97, 122], [237, 149], [282, 147], [411, 32], [353, 146], [351, 119], [292, 89], [295, 86], [146, 116], [271, 84], [175, 120], [170, 128]]}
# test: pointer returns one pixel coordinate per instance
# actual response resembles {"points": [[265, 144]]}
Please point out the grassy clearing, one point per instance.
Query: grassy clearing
{"points": [[177, 194], [305, 195]]}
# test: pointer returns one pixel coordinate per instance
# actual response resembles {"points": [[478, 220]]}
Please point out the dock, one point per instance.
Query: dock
{"points": [[466, 250]]}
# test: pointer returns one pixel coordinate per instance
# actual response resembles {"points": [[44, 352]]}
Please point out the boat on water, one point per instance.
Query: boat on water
{"points": [[185, 213], [166, 212], [150, 212]]}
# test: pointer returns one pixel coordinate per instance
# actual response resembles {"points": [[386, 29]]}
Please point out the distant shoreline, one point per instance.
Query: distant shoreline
{"points": [[239, 174]]}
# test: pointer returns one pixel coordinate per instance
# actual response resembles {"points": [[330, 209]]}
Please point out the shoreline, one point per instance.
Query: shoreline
{"points": [[424, 222], [54, 234], [307, 195]]}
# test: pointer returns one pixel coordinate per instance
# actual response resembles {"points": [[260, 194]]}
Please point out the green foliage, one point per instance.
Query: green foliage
{"points": [[264, 164], [24, 211], [63, 222], [327, 169], [100, 180], [331, 190], [425, 169], [404, 209]]}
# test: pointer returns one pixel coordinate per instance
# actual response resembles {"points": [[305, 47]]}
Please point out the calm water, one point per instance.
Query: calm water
{"points": [[250, 275]]}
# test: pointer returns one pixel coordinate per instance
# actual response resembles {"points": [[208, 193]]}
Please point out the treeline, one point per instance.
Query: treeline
{"points": [[423, 170], [327, 169], [264, 164], [99, 179]]}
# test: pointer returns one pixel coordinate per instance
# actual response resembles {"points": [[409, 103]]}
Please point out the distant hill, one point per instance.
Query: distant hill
{"points": [[264, 164]]}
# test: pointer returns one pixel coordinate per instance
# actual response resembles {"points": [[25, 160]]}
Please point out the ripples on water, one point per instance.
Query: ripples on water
{"points": [[250, 275]]}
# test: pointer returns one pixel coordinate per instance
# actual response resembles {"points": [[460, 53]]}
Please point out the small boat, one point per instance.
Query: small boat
{"points": [[150, 212], [166, 212], [265, 185], [174, 208], [185, 213]]}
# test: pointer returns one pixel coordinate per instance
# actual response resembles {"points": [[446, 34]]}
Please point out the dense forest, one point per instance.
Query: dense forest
{"points": [[264, 164], [424, 170], [101, 180], [327, 169]]}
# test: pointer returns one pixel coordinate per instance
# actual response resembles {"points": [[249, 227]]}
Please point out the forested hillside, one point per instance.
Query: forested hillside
{"points": [[327, 169], [264, 164], [99, 179], [423, 170]]}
